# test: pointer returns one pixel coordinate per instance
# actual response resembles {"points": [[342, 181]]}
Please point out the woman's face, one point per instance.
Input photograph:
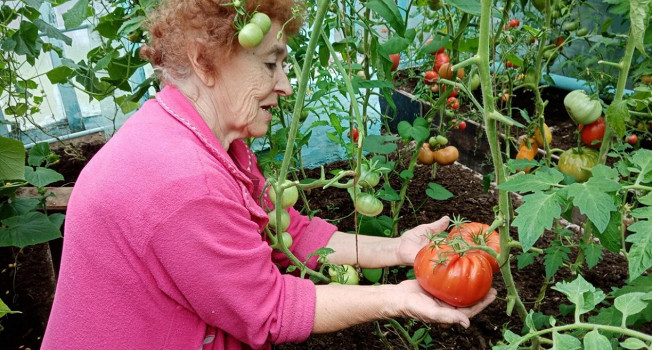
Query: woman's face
{"points": [[249, 84]]}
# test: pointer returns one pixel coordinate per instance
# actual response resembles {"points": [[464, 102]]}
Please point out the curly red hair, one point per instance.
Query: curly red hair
{"points": [[175, 22]]}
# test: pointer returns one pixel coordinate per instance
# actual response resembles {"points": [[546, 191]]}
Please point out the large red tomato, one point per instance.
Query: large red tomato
{"points": [[459, 280], [475, 233]]}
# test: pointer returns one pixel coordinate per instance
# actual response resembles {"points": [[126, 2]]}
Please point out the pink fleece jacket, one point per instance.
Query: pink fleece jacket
{"points": [[163, 246]]}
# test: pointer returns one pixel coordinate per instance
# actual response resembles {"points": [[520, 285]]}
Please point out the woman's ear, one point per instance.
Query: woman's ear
{"points": [[196, 49]]}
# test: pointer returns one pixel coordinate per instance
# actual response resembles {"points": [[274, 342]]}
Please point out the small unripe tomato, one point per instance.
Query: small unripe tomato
{"points": [[285, 220], [368, 205], [345, 274], [289, 196]]}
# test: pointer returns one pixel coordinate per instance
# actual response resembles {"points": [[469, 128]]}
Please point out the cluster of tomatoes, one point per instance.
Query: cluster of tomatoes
{"points": [[288, 198], [251, 34], [452, 271], [436, 151], [443, 68]]}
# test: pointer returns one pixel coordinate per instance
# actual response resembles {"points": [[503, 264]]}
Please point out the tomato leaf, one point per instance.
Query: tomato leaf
{"points": [[593, 254], [638, 21], [380, 144], [640, 253], [592, 197], [617, 115], [555, 257], [472, 7], [542, 180], [630, 303], [535, 215], [610, 238], [389, 11], [633, 343], [372, 275], [525, 259], [4, 309], [643, 160], [387, 193], [581, 293]]}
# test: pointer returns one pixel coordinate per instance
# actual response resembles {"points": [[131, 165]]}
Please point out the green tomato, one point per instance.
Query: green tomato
{"points": [[250, 36], [345, 274], [289, 196], [432, 141], [581, 108], [582, 31], [539, 4], [286, 238], [262, 21], [285, 220], [368, 205], [442, 140], [436, 5], [570, 25], [578, 164], [368, 178], [474, 83]]}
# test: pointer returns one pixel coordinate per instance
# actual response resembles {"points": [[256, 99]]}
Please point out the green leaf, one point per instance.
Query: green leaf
{"points": [[38, 154], [4, 309], [540, 181], [438, 192], [525, 259], [406, 174], [593, 201], [565, 342], [555, 257], [41, 177], [387, 193], [630, 304], [29, 229], [375, 226], [640, 253], [647, 199], [593, 340], [389, 11], [617, 115], [593, 254], [418, 132], [372, 275], [643, 160], [76, 15], [12, 159], [26, 39], [633, 343], [581, 293], [51, 31], [535, 215], [472, 7], [380, 144], [611, 237], [59, 75], [639, 17]]}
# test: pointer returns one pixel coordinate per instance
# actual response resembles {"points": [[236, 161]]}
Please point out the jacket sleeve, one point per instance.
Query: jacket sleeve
{"points": [[211, 258]]}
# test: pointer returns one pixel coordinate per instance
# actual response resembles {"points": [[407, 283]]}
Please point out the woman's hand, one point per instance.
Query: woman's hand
{"points": [[414, 239], [417, 303]]}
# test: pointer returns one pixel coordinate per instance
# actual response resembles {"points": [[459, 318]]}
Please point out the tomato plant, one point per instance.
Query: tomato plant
{"points": [[288, 198], [262, 21], [345, 274], [446, 156], [356, 134], [368, 205], [395, 58], [539, 138], [459, 279], [578, 163], [250, 36], [582, 108], [593, 133], [476, 233]]}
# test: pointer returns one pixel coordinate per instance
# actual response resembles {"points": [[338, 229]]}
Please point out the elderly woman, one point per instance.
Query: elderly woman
{"points": [[164, 245]]}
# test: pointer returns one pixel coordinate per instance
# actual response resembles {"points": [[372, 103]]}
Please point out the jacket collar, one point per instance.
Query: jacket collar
{"points": [[180, 108]]}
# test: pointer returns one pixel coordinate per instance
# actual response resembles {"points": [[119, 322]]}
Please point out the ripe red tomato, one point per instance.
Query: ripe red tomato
{"points": [[453, 103], [440, 59], [514, 22], [395, 57], [475, 233], [458, 279], [632, 139], [446, 71], [430, 77], [356, 133], [461, 125], [593, 133]]}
